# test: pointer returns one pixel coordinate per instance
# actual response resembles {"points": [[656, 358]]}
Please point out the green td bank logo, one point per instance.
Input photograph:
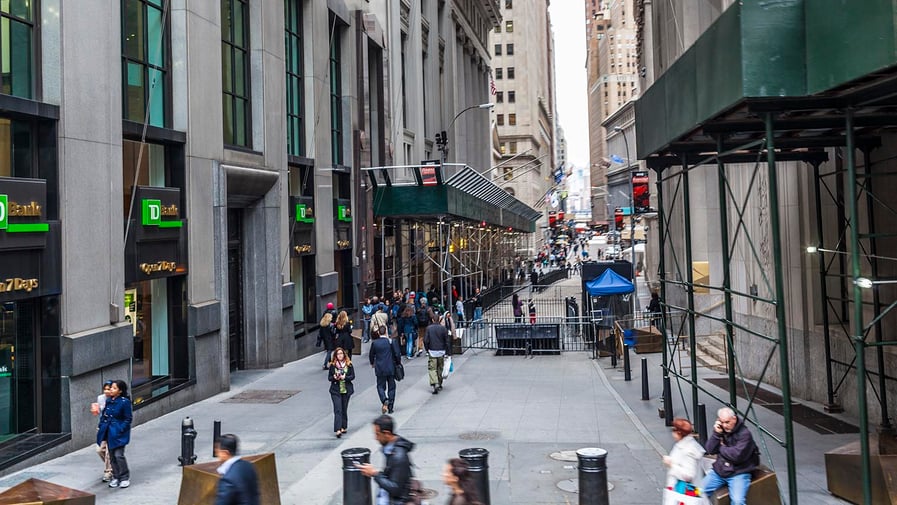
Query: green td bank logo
{"points": [[13, 209], [154, 212]]}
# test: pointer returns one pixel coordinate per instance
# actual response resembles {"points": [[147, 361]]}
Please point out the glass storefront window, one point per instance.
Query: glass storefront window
{"points": [[146, 310], [17, 369], [16, 150], [151, 171]]}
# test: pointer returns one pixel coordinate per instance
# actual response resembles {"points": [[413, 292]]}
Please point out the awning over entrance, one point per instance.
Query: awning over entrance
{"points": [[460, 192]]}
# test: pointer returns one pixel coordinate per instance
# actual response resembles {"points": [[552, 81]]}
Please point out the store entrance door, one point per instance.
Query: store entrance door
{"points": [[235, 288], [18, 396]]}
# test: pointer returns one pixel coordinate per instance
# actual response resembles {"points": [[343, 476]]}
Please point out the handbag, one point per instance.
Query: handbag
{"points": [[400, 371], [691, 496]]}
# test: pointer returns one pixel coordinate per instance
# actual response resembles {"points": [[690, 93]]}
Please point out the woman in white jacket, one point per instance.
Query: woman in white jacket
{"points": [[685, 458]]}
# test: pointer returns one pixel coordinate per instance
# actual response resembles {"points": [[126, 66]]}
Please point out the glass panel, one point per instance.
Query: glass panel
{"points": [[239, 14], [21, 60], [155, 47], [294, 56], [159, 344], [19, 8], [226, 20], [239, 73], [157, 3], [228, 106], [156, 81], [134, 42], [227, 68], [139, 312], [17, 369], [5, 57], [5, 148], [156, 154], [21, 139], [298, 289], [240, 127], [135, 93]]}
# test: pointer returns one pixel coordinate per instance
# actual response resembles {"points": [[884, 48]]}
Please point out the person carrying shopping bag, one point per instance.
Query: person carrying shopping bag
{"points": [[684, 464], [438, 345]]}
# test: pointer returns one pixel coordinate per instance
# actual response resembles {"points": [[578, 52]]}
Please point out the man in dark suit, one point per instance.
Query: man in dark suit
{"points": [[239, 484], [383, 357]]}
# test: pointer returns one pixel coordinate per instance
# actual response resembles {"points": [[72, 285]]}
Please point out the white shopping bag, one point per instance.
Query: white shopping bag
{"points": [[671, 497], [446, 367]]}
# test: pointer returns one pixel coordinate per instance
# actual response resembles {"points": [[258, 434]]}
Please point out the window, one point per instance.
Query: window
{"points": [[144, 62], [497, 49], [235, 71], [498, 28], [512, 119], [295, 98], [17, 48], [510, 72], [336, 95], [513, 147], [502, 148], [509, 4], [509, 49], [500, 119], [498, 73], [499, 97], [512, 96], [509, 26], [508, 173]]}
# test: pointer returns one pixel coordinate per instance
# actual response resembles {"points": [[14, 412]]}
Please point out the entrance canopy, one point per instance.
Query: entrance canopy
{"points": [[609, 283], [447, 191]]}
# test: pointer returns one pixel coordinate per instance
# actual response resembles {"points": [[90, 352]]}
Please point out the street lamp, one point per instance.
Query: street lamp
{"points": [[620, 130], [442, 143]]}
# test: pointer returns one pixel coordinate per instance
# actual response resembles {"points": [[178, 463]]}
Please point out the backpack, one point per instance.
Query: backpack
{"points": [[423, 316]]}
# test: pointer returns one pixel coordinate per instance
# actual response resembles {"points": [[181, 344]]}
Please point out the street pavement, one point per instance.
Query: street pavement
{"points": [[522, 410]]}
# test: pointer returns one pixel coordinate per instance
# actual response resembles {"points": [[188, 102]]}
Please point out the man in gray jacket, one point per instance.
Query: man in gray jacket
{"points": [[438, 345]]}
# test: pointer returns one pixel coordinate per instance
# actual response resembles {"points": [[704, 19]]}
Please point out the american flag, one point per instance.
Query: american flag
{"points": [[492, 89]]}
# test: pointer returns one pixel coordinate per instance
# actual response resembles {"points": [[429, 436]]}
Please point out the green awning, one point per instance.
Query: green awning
{"points": [[466, 195]]}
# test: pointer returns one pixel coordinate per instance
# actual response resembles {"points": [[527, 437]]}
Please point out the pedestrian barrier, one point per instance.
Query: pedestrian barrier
{"points": [[37, 492], [592, 476], [199, 482]]}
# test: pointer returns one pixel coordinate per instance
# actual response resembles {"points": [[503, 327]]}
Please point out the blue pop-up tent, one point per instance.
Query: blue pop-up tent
{"points": [[609, 283]]}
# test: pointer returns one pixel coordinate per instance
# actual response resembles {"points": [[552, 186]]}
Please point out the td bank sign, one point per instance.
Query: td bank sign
{"points": [[156, 214], [11, 209]]}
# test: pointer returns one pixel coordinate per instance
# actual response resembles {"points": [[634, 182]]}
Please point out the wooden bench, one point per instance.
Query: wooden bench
{"points": [[764, 489]]}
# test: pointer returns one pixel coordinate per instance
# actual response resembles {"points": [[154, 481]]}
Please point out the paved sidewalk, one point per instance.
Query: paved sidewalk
{"points": [[521, 409]]}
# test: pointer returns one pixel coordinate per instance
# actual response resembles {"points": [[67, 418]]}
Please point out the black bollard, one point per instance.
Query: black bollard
{"points": [[592, 476], [356, 487], [627, 371], [701, 418], [478, 462], [188, 437], [667, 402], [216, 434], [645, 394]]}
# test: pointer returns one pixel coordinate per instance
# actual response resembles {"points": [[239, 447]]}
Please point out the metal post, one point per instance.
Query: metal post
{"points": [[690, 288], [645, 394], [627, 372], [635, 301], [857, 319], [701, 423], [784, 362], [478, 463], [592, 476], [830, 405], [727, 278], [383, 259], [216, 434], [356, 487], [667, 402], [188, 436]]}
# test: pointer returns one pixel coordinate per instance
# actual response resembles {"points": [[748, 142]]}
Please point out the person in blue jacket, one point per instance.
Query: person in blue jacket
{"points": [[115, 429]]}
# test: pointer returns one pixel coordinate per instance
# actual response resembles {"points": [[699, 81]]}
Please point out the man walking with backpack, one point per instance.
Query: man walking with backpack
{"points": [[424, 317]]}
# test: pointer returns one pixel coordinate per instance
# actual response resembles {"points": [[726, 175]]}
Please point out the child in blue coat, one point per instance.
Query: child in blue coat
{"points": [[115, 429]]}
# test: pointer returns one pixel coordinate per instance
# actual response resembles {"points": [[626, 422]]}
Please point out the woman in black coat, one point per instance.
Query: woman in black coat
{"points": [[341, 375], [343, 333], [325, 336]]}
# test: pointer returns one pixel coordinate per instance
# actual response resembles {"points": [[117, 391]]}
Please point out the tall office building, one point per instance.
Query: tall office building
{"points": [[612, 72], [523, 70]]}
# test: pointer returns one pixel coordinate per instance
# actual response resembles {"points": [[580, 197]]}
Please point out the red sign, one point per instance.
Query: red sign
{"points": [[641, 193], [428, 176]]}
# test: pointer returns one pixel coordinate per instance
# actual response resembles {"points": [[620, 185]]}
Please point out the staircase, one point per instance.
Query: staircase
{"points": [[711, 351]]}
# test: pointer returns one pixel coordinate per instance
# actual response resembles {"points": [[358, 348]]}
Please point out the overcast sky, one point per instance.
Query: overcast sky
{"points": [[569, 29]]}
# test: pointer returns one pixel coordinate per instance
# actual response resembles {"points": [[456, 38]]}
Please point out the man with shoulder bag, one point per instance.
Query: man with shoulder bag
{"points": [[395, 480]]}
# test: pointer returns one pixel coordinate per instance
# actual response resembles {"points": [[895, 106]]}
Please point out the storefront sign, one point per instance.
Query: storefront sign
{"points": [[303, 249], [156, 214], [343, 244], [157, 243], [344, 213], [303, 240], [159, 266], [17, 284], [22, 205], [305, 213]]}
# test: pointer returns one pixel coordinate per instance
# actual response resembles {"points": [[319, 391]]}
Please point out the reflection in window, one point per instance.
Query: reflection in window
{"points": [[509, 26], [17, 48], [145, 61], [15, 149], [235, 71], [294, 63], [336, 95]]}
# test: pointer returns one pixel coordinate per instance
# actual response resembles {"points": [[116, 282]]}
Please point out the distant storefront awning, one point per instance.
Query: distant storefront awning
{"points": [[458, 191]]}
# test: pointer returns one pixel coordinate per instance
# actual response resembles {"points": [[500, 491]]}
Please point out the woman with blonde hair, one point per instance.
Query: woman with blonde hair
{"points": [[341, 375], [343, 333]]}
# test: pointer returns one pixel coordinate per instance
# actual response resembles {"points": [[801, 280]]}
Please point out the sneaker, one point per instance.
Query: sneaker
{"points": [[124, 484], [384, 408], [113, 483], [419, 352], [440, 387], [390, 411]]}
